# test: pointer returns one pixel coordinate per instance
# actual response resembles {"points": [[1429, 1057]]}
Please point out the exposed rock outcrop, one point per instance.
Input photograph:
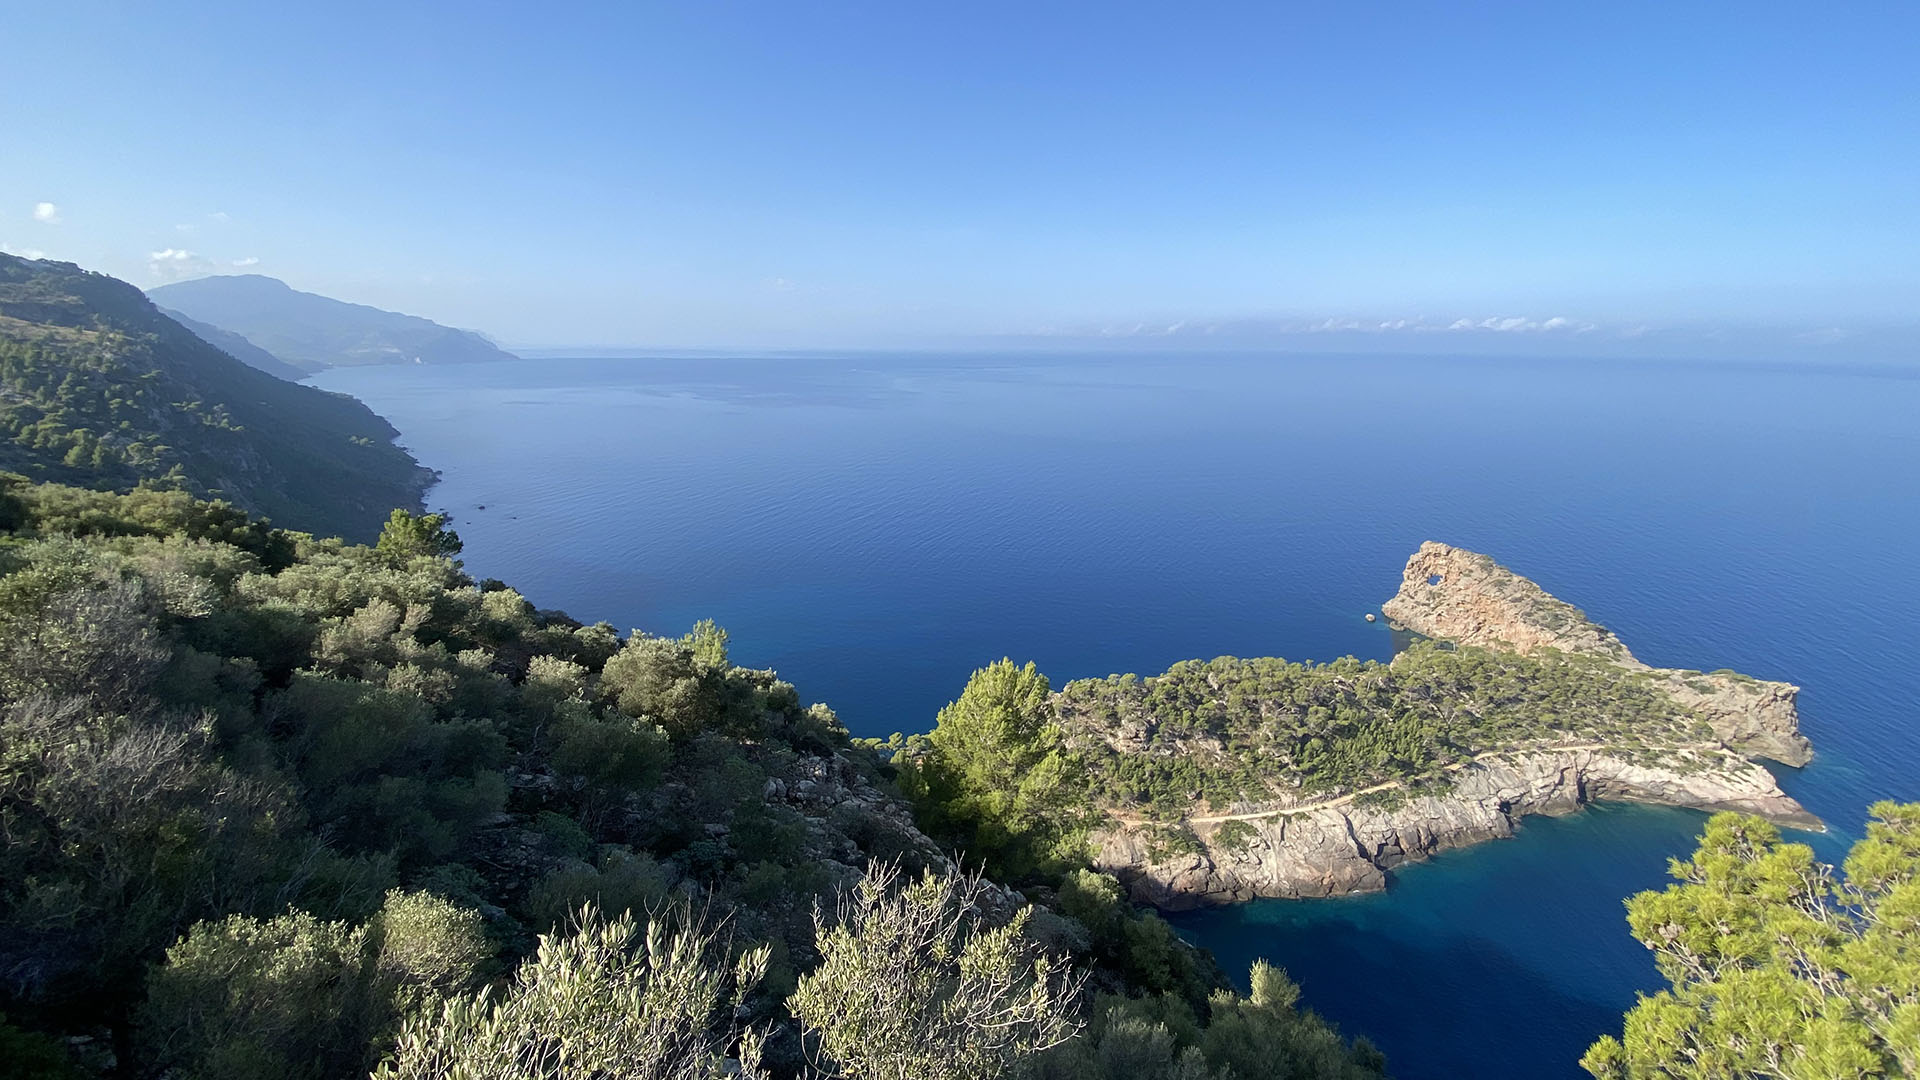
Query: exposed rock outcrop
{"points": [[1347, 845], [1462, 596]]}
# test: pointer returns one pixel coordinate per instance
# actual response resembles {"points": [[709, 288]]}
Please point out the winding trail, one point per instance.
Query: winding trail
{"points": [[1342, 800]]}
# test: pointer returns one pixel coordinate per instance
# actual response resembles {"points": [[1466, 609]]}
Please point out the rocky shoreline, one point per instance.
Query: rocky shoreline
{"points": [[1347, 844], [1332, 850]]}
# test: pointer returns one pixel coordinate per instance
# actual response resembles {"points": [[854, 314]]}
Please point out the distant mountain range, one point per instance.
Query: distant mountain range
{"points": [[311, 332], [99, 389]]}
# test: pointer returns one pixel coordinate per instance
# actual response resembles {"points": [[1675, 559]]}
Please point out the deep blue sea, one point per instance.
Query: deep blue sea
{"points": [[877, 526]]}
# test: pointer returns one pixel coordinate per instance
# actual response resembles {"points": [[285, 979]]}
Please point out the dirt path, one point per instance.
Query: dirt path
{"points": [[1342, 800]]}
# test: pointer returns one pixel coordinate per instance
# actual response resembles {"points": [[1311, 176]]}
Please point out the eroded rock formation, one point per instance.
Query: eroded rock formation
{"points": [[1346, 845]]}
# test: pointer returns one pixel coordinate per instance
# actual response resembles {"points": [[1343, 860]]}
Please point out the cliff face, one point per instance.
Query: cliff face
{"points": [[1465, 597], [1345, 846]]}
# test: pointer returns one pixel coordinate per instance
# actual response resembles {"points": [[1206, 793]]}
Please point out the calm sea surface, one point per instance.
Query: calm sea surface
{"points": [[875, 527]]}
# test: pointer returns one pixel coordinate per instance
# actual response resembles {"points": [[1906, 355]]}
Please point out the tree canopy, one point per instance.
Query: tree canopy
{"points": [[408, 535], [996, 777], [1779, 967]]}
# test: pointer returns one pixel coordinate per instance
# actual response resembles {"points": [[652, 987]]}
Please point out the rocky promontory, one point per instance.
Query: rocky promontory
{"points": [[1464, 597], [1341, 772]]}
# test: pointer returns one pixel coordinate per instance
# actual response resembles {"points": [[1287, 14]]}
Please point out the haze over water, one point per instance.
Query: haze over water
{"points": [[875, 527]]}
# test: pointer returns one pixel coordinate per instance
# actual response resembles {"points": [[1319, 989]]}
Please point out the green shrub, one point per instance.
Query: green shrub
{"points": [[297, 996], [606, 1000], [624, 882], [1235, 836], [912, 985]]}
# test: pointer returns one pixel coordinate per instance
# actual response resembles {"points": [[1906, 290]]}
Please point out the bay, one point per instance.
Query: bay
{"points": [[875, 526]]}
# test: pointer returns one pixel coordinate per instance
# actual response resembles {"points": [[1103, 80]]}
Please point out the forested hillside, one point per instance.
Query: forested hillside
{"points": [[98, 388], [279, 806]]}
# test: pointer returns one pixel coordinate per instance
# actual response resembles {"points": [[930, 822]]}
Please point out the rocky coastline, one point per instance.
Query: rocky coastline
{"points": [[1349, 842]]}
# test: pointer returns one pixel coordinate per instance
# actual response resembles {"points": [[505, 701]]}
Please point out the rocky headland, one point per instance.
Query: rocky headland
{"points": [[1650, 735], [1456, 595]]}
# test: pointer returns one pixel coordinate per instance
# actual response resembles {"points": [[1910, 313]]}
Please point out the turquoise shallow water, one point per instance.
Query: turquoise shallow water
{"points": [[876, 526]]}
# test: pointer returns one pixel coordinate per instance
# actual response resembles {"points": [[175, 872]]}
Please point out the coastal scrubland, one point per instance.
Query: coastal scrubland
{"points": [[282, 805]]}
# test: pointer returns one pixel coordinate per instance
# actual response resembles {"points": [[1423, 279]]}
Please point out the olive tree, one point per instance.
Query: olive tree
{"points": [[610, 1000], [914, 983]]}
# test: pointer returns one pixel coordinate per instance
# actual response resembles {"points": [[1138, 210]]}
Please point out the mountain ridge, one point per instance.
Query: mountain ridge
{"points": [[311, 331]]}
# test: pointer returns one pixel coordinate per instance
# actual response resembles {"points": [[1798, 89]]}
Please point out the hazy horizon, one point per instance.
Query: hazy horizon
{"points": [[1620, 181]]}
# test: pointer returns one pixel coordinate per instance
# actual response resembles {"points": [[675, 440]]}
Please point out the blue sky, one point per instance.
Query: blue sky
{"points": [[829, 174]]}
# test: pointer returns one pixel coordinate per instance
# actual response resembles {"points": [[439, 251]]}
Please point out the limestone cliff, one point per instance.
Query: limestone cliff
{"points": [[1465, 597], [1347, 845]]}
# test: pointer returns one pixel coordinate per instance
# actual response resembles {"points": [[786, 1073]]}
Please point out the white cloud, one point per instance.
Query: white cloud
{"points": [[176, 263], [218, 215], [187, 228], [780, 284], [1832, 335], [46, 213], [1519, 324], [250, 260], [22, 253]]}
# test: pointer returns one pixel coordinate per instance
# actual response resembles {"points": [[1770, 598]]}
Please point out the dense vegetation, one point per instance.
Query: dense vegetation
{"points": [[996, 780], [274, 805], [995, 776], [1230, 730], [313, 332], [99, 389], [1779, 967]]}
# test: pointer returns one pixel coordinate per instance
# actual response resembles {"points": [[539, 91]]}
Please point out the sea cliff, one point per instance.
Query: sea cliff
{"points": [[1688, 740]]}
